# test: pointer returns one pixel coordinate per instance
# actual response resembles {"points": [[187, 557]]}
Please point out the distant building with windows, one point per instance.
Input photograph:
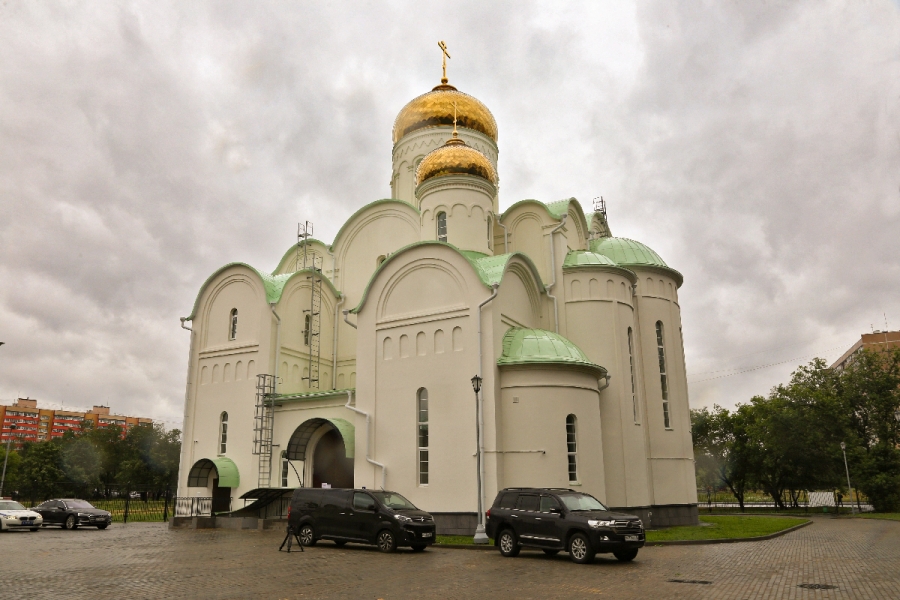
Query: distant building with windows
{"points": [[350, 363], [35, 424], [877, 340]]}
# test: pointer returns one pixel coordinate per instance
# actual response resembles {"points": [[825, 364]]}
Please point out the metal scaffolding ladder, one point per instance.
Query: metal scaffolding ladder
{"points": [[263, 426], [312, 317]]}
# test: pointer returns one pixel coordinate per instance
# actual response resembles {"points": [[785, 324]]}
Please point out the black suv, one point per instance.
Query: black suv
{"points": [[386, 519], [561, 519]]}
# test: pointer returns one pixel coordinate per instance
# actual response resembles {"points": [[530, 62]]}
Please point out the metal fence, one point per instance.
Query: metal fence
{"points": [[804, 501], [124, 503]]}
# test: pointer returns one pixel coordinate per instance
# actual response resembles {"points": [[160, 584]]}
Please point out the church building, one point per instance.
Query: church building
{"points": [[355, 363]]}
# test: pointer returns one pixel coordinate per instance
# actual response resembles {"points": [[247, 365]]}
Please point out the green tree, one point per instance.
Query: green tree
{"points": [[81, 460], [41, 469]]}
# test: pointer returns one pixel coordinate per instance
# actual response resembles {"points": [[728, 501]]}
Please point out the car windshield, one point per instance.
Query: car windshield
{"points": [[575, 502], [395, 501], [77, 504], [10, 505]]}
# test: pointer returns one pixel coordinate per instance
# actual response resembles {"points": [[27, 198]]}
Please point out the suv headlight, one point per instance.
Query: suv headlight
{"points": [[598, 524], [402, 518]]}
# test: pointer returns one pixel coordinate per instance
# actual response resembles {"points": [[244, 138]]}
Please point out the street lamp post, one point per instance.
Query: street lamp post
{"points": [[12, 428], [847, 470], [480, 536]]}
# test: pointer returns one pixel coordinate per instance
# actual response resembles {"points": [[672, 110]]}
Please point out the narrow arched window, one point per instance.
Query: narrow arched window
{"points": [[422, 410], [442, 227], [223, 433], [232, 330], [663, 378], [284, 468], [572, 448], [634, 405], [306, 322]]}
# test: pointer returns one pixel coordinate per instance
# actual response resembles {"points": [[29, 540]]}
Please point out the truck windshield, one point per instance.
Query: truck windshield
{"points": [[395, 501], [575, 502]]}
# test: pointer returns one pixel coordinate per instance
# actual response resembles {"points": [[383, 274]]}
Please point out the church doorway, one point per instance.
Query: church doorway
{"points": [[326, 448]]}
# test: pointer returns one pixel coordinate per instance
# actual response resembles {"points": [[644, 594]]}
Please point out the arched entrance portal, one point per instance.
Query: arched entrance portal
{"points": [[218, 476], [326, 448]]}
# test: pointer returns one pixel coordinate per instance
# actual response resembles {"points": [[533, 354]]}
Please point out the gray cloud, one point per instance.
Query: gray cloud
{"points": [[756, 148]]}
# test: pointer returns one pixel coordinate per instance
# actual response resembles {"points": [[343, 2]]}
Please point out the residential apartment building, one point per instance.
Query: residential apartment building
{"points": [[33, 424], [877, 340]]}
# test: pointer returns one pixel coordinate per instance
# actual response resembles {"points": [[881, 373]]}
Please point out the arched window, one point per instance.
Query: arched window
{"points": [[663, 379], [223, 433], [422, 409], [232, 330], [442, 227], [284, 469], [572, 448], [631, 365], [306, 322]]}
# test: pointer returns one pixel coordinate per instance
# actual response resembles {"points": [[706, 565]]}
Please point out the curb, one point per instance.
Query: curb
{"points": [[729, 540], [465, 546]]}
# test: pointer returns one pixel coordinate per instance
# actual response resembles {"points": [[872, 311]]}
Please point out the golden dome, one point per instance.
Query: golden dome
{"points": [[455, 158], [435, 108]]}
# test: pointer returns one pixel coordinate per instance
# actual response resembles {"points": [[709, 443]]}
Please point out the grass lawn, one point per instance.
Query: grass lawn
{"points": [[725, 527], [466, 540], [888, 516]]}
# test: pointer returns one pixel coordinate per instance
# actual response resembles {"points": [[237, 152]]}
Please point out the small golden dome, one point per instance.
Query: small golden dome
{"points": [[455, 158], [435, 108]]}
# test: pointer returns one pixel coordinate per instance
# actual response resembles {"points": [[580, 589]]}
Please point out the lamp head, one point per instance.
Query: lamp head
{"points": [[843, 446], [476, 383]]}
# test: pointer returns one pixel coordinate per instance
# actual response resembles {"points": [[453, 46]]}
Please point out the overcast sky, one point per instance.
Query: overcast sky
{"points": [[755, 146]]}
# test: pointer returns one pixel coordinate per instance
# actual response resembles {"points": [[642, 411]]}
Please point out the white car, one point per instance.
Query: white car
{"points": [[15, 516]]}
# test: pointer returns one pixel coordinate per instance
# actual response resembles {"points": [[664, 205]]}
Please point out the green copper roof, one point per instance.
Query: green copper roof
{"points": [[273, 284], [228, 472], [627, 252], [537, 346], [583, 258], [559, 208], [490, 269]]}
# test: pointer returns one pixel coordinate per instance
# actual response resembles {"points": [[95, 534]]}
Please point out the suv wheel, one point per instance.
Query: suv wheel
{"points": [[386, 541], [626, 555], [307, 535], [580, 550], [509, 545], [71, 522]]}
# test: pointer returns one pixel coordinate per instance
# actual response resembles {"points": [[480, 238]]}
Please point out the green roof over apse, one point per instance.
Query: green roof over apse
{"points": [[583, 258], [538, 346], [627, 252]]}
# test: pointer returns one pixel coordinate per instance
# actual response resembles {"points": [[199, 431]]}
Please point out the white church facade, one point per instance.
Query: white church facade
{"points": [[368, 346]]}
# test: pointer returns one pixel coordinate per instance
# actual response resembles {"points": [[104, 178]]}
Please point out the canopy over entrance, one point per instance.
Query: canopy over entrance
{"points": [[224, 467], [299, 442]]}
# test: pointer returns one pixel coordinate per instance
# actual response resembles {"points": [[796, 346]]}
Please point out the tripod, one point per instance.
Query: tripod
{"points": [[289, 540]]}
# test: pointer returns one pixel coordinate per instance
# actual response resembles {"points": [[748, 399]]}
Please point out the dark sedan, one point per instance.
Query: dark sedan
{"points": [[71, 514]]}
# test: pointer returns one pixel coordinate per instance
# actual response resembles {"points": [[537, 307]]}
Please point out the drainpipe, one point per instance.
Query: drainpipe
{"points": [[505, 236], [480, 535], [553, 270], [606, 385], [187, 400], [334, 344], [368, 436], [347, 312], [277, 346]]}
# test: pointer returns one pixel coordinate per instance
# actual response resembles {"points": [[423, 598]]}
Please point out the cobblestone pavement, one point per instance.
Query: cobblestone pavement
{"points": [[143, 560]]}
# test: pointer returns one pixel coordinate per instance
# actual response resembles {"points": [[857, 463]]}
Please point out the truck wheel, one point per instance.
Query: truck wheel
{"points": [[307, 535], [626, 555], [509, 545], [386, 541], [580, 550]]}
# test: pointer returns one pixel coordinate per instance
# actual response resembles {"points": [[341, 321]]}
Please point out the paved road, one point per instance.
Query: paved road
{"points": [[140, 560]]}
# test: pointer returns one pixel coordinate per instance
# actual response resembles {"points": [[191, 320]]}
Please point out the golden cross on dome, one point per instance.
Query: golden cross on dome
{"points": [[444, 56]]}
